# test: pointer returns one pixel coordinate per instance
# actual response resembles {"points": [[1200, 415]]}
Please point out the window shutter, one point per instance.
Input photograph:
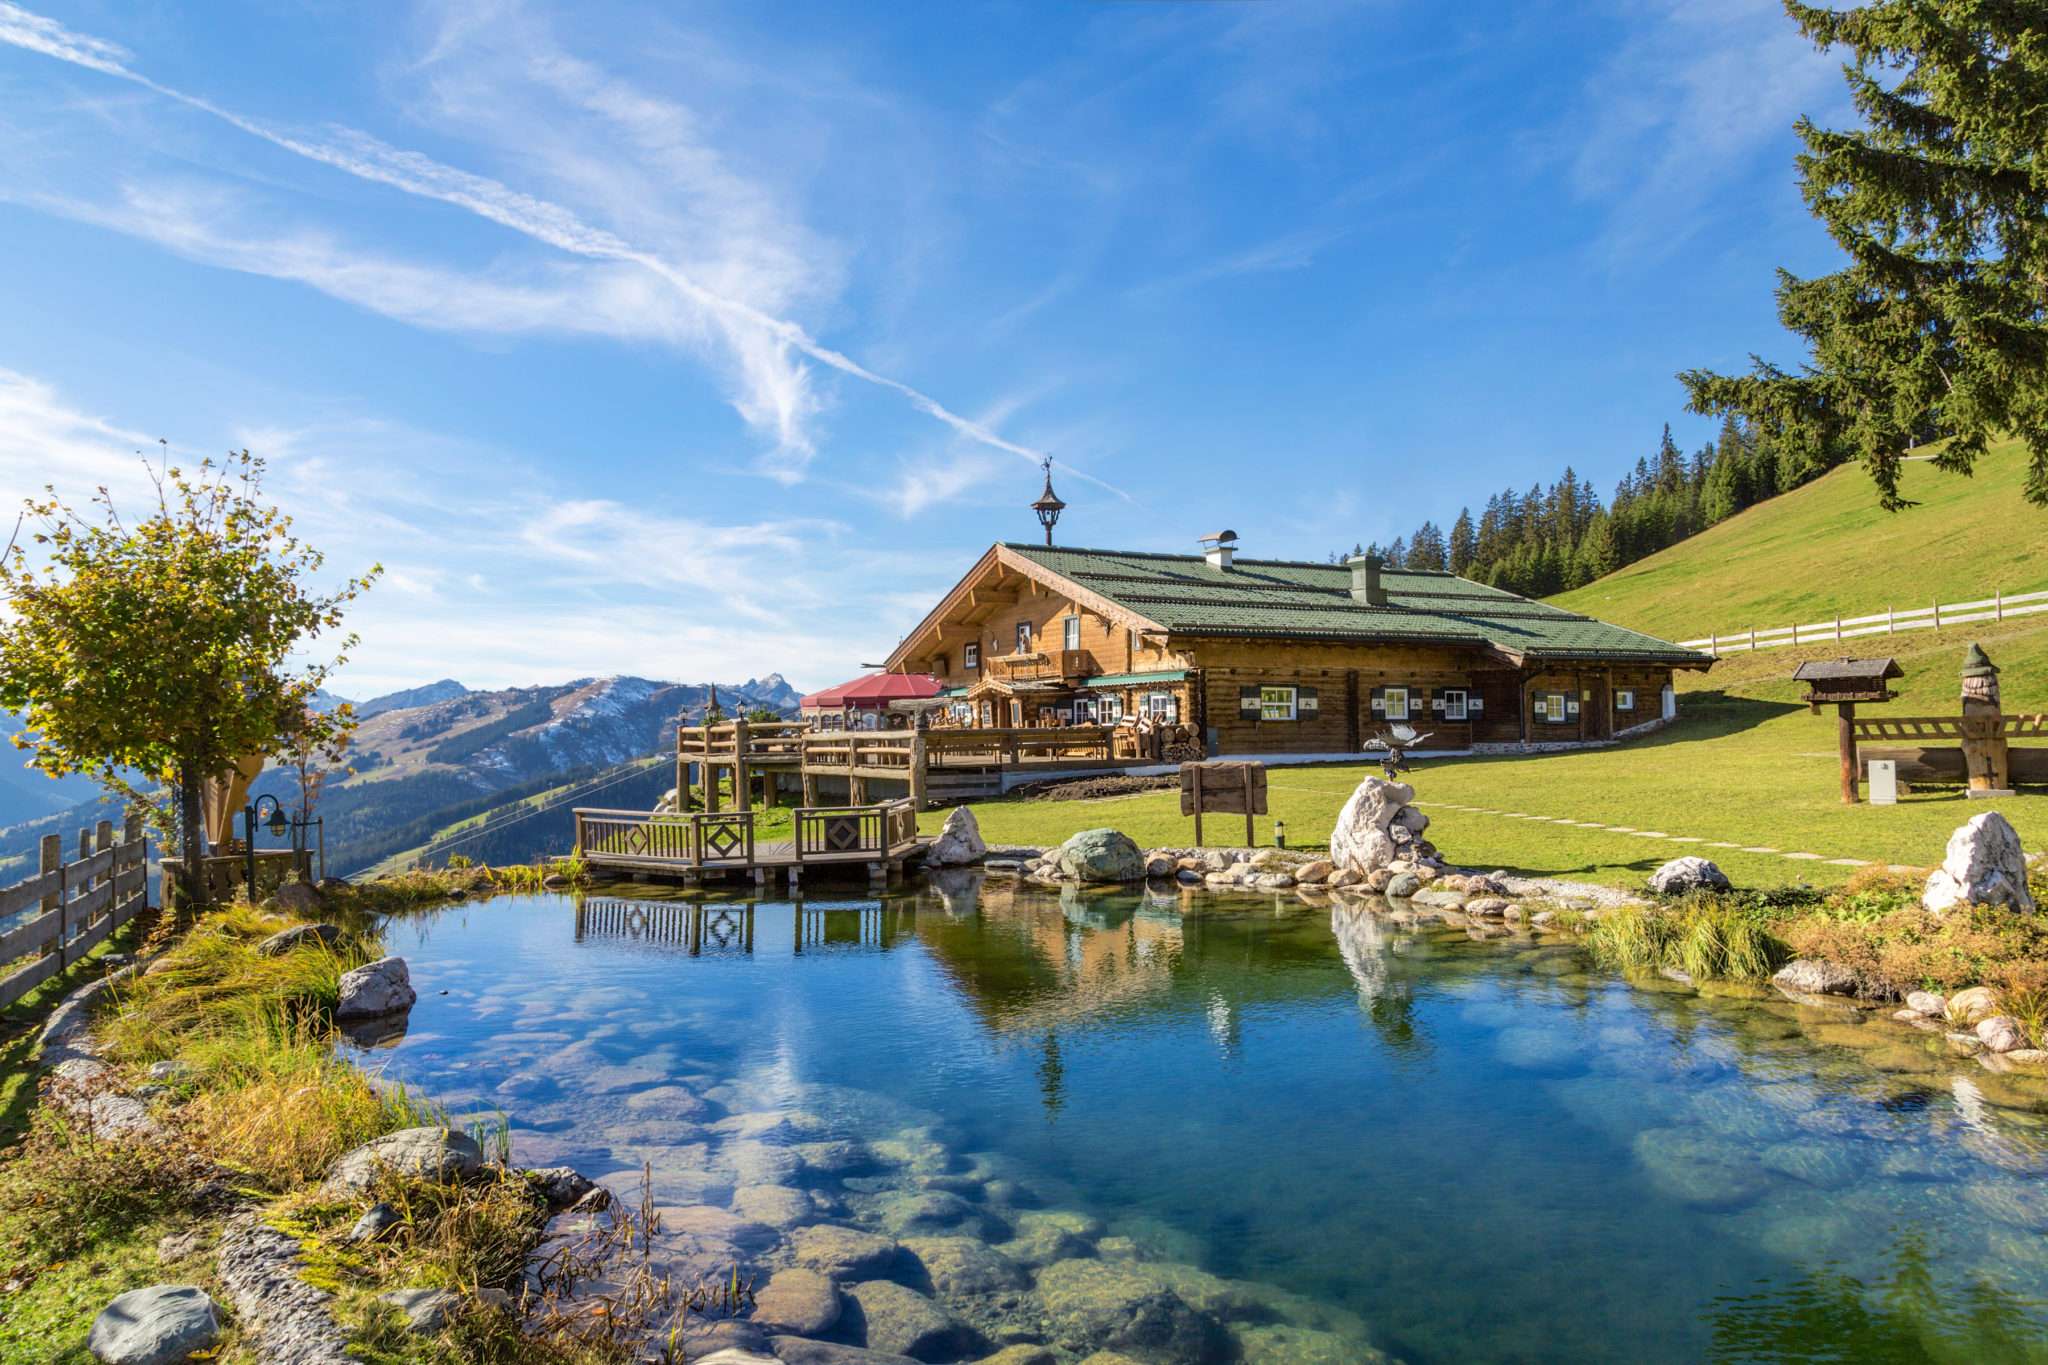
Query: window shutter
{"points": [[1248, 702], [1305, 703], [1378, 698]]}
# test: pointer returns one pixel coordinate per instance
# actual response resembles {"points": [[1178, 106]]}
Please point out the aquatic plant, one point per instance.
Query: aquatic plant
{"points": [[1706, 937]]}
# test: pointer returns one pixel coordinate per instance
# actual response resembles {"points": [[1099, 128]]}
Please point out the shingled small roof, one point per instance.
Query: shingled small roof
{"points": [[1284, 599]]}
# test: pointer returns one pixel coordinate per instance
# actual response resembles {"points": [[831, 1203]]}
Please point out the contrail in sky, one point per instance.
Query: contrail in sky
{"points": [[365, 157]]}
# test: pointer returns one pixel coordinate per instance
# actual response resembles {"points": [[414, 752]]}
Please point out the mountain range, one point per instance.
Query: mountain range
{"points": [[431, 756]]}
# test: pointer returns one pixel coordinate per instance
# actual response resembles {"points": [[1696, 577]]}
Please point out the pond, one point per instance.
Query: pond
{"points": [[1327, 1135]]}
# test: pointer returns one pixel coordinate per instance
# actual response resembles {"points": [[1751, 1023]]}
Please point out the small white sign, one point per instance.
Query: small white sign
{"points": [[1884, 782]]}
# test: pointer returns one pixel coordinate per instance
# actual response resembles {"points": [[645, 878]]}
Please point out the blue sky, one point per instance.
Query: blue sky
{"points": [[697, 341]]}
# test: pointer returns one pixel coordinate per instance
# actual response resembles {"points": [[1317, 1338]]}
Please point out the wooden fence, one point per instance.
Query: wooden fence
{"points": [[1888, 622], [75, 904]]}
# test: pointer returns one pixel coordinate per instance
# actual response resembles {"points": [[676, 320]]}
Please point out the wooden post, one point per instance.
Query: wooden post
{"points": [[51, 859], [1249, 840], [1845, 732], [1198, 808], [1713, 645], [103, 842], [742, 773], [1998, 604], [1890, 622], [917, 772], [1838, 627], [1752, 639], [1937, 615], [1522, 701]]}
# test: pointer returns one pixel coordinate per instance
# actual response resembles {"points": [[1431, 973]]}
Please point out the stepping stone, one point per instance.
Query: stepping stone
{"points": [[1651, 834], [1621, 829], [1759, 849], [1847, 862], [1723, 843], [1687, 839], [1803, 857]]}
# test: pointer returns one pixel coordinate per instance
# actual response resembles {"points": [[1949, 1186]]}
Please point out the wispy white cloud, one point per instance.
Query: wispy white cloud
{"points": [[1295, 250], [1694, 94], [768, 349]]}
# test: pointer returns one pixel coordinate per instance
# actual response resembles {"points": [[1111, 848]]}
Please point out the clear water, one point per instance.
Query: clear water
{"points": [[1455, 1150]]}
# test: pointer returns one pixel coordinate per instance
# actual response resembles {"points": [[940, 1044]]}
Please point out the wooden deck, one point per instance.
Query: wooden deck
{"points": [[932, 765], [879, 838]]}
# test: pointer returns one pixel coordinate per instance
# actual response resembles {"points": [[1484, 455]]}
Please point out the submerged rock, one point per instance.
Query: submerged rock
{"points": [[899, 1319], [1985, 865], [965, 1267], [798, 1301], [844, 1253], [1697, 1170], [161, 1325], [1115, 1305]]}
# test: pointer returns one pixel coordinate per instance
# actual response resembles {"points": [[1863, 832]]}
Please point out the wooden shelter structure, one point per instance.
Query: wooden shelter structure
{"points": [[1973, 748], [1842, 683]]}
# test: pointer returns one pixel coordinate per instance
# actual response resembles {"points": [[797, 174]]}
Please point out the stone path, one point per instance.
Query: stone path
{"points": [[1633, 832]]}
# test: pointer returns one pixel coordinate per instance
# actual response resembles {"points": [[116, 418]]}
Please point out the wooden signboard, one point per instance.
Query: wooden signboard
{"points": [[1223, 788]]}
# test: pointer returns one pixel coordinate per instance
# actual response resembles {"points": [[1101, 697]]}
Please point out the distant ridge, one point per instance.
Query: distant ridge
{"points": [[424, 695]]}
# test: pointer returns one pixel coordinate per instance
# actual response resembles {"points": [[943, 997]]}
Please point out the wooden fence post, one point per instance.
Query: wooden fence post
{"points": [[1890, 624], [51, 859], [917, 773], [1752, 639], [1998, 604], [1937, 615]]}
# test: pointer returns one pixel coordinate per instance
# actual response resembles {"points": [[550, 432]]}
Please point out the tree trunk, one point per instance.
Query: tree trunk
{"points": [[192, 839]]}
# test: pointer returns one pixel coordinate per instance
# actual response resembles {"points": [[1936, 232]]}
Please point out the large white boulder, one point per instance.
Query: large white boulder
{"points": [[1691, 873], [1364, 838], [375, 989], [1985, 865], [959, 842]]}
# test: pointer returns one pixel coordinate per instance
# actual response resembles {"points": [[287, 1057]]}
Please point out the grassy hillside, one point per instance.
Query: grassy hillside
{"points": [[1827, 547]]}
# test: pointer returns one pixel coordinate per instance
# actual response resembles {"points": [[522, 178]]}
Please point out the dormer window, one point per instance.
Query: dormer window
{"points": [[970, 657], [1071, 633], [1023, 637]]}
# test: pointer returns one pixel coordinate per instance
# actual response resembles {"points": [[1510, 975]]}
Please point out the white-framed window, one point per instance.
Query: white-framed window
{"points": [[1017, 713], [1554, 708], [1624, 699], [1455, 704], [1070, 633], [970, 657], [1162, 706], [1110, 709], [1023, 637], [988, 714], [1083, 710], [1395, 701], [1276, 703]]}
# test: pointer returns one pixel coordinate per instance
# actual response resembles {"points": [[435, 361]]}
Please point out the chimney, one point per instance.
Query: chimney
{"points": [[1365, 581], [1218, 549]]}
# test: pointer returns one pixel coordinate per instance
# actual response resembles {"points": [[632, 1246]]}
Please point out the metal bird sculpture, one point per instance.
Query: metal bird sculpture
{"points": [[1395, 741]]}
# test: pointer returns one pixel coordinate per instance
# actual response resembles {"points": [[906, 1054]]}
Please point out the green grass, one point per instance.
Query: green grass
{"points": [[1745, 764], [22, 1022], [1827, 548]]}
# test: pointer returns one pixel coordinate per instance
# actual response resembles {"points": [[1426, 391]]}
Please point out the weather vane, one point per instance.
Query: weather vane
{"points": [[1048, 507]]}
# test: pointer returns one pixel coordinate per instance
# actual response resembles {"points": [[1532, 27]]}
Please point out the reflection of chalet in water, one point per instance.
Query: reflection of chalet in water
{"points": [[1278, 656]]}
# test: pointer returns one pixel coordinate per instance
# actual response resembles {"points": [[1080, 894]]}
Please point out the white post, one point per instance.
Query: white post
{"points": [[1838, 627], [1713, 644], [1890, 628]]}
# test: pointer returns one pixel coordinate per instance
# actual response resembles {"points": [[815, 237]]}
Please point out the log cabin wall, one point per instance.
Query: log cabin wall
{"points": [[1111, 647], [1345, 681]]}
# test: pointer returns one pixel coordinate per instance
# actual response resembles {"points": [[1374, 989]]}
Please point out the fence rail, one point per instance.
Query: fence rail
{"points": [[1996, 607], [74, 904]]}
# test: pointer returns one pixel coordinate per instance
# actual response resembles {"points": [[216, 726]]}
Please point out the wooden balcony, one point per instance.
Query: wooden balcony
{"points": [[1054, 665]]}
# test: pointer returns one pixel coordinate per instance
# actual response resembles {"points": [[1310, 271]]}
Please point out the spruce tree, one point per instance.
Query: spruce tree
{"points": [[1937, 329], [1464, 546]]}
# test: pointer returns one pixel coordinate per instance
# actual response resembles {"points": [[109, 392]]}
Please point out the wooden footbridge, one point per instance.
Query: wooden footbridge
{"points": [[691, 847]]}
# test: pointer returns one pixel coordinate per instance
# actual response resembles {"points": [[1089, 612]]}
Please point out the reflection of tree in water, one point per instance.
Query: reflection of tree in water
{"points": [[1366, 947], [1052, 1074], [1905, 1316]]}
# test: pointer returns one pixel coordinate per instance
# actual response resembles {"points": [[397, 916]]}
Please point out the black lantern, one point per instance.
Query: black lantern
{"points": [[1048, 507], [277, 822]]}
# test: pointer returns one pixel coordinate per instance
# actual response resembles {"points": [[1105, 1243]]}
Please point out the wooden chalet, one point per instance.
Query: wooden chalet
{"points": [[1266, 656]]}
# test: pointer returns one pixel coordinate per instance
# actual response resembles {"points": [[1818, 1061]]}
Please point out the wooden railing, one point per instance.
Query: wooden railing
{"points": [[628, 836], [850, 749], [1919, 728], [756, 740], [76, 904], [980, 748], [849, 831]]}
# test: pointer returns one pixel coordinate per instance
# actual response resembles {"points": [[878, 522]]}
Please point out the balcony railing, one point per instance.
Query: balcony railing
{"points": [[1044, 666]]}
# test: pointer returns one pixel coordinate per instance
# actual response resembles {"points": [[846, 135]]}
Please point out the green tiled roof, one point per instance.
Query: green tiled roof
{"points": [[1164, 675], [1282, 599]]}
